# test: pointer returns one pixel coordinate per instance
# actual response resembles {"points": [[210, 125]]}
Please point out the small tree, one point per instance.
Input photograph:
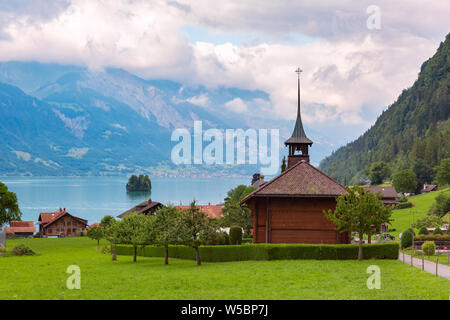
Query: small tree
{"points": [[428, 248], [113, 235], [195, 228], [360, 211], [106, 221], [167, 225], [9, 209], [378, 172], [236, 214], [407, 238], [235, 235], [95, 233], [429, 221], [423, 231], [443, 172], [438, 231], [137, 230], [405, 181]]}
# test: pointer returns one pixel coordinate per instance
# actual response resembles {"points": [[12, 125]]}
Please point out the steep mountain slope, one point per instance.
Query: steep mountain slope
{"points": [[113, 122], [414, 132]]}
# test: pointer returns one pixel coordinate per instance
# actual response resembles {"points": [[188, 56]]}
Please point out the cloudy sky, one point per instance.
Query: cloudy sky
{"points": [[354, 64]]}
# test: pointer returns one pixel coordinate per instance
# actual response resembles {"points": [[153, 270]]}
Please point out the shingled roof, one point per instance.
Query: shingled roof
{"points": [[20, 227], [301, 180], [144, 207]]}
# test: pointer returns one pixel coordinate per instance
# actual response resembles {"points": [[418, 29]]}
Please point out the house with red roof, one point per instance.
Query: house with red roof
{"points": [[60, 223], [20, 228], [213, 211]]}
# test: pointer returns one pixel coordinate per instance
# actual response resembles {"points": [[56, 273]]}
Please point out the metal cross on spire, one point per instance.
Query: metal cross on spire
{"points": [[298, 71]]}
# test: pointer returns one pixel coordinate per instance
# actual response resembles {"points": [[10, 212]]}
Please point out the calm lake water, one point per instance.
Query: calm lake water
{"points": [[92, 198]]}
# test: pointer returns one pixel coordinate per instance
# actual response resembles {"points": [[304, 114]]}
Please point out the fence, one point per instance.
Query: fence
{"points": [[2, 239]]}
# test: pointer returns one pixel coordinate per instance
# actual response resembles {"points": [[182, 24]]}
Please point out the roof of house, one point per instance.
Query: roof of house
{"points": [[429, 187], [143, 207], [301, 180], [95, 224], [20, 226], [387, 192], [213, 211], [47, 218]]}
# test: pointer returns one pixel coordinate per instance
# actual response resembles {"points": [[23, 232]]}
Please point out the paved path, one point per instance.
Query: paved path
{"points": [[429, 266]]}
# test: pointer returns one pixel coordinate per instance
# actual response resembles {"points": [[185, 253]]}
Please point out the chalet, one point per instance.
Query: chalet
{"points": [[146, 207], [289, 208], [389, 195], [21, 228], [213, 211], [428, 188], [60, 223]]}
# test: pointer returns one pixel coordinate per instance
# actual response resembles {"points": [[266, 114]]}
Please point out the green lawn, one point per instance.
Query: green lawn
{"points": [[44, 277], [422, 203]]}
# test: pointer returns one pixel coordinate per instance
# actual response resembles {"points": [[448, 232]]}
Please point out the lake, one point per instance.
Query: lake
{"points": [[92, 198]]}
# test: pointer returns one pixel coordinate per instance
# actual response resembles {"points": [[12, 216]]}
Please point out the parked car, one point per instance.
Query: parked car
{"points": [[386, 236]]}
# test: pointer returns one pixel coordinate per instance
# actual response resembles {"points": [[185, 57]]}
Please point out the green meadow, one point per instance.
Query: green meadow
{"points": [[422, 203], [44, 277]]}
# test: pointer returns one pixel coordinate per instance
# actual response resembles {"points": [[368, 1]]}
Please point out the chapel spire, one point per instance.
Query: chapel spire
{"points": [[298, 141]]}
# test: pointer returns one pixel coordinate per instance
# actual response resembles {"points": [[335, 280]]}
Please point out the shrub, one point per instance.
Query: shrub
{"points": [[432, 237], [235, 235], [407, 237], [423, 231], [428, 248], [22, 250], [270, 252], [224, 239], [247, 240], [437, 231], [403, 205]]}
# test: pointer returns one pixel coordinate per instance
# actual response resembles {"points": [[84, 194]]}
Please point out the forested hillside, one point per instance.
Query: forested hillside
{"points": [[414, 132]]}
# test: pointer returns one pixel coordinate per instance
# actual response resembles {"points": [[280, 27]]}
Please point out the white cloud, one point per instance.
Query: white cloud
{"points": [[200, 100], [346, 66], [236, 105]]}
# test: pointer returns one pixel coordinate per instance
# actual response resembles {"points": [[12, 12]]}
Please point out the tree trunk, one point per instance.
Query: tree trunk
{"points": [[113, 251], [197, 256], [369, 239], [134, 253], [166, 254], [98, 245], [360, 251]]}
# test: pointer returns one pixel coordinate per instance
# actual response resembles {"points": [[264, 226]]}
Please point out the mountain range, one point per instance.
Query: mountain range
{"points": [[69, 120]]}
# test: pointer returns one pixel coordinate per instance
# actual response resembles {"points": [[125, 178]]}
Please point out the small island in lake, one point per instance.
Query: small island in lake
{"points": [[141, 183]]}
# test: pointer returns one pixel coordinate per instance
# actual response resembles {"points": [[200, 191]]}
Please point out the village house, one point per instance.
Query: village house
{"points": [[389, 195], [21, 229], [429, 188], [289, 208], [213, 211], [147, 207], [60, 223]]}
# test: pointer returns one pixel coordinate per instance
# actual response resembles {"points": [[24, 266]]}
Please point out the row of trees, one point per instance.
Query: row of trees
{"points": [[406, 181], [170, 225]]}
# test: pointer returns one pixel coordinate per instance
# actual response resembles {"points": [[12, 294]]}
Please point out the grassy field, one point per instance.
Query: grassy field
{"points": [[44, 277], [422, 203]]}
